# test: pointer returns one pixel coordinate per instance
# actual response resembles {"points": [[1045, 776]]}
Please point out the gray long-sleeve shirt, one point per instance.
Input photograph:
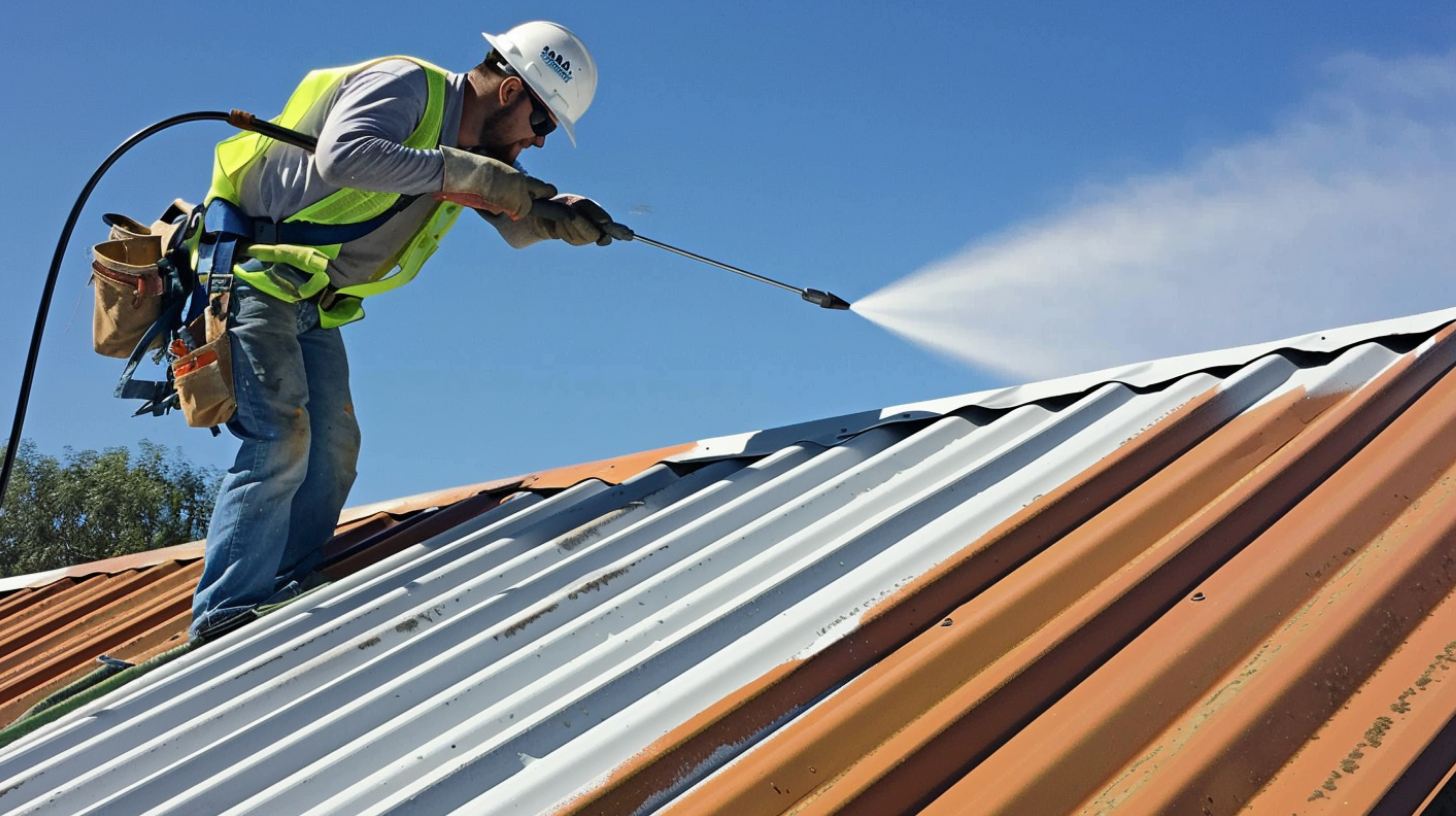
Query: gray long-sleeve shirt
{"points": [[360, 127]]}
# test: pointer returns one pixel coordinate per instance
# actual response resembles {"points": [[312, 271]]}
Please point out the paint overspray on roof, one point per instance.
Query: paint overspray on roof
{"points": [[1190, 586]]}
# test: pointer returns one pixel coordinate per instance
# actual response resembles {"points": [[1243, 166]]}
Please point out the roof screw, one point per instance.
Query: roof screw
{"points": [[1197, 596], [946, 622]]}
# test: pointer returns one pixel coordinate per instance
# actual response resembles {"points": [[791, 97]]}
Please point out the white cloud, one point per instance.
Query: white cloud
{"points": [[1346, 213]]}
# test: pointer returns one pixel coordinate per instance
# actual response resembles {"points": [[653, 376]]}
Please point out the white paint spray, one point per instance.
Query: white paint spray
{"points": [[1345, 213]]}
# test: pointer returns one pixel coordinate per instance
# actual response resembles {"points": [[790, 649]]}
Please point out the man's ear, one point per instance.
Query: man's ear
{"points": [[509, 88]]}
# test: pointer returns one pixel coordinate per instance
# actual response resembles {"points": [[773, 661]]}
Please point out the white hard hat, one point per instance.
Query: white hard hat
{"points": [[555, 64]]}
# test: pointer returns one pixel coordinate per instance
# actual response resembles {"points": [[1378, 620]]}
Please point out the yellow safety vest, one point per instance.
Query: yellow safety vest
{"points": [[237, 154]]}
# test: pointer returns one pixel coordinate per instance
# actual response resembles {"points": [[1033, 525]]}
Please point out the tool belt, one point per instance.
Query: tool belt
{"points": [[150, 298]]}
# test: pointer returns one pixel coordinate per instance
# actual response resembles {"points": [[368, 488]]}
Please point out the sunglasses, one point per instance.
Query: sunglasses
{"points": [[541, 122]]}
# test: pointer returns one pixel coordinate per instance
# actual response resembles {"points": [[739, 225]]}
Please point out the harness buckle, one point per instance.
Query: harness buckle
{"points": [[265, 232]]}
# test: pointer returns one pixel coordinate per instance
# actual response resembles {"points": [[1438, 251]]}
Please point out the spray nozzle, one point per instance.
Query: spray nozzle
{"points": [[825, 300]]}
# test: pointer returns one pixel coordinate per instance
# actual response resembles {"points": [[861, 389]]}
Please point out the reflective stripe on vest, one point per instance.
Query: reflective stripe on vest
{"points": [[237, 154]]}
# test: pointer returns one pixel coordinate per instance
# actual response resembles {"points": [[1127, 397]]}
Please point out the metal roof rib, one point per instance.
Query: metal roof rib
{"points": [[127, 619]]}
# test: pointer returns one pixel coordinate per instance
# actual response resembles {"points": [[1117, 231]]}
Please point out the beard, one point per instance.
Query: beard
{"points": [[492, 140]]}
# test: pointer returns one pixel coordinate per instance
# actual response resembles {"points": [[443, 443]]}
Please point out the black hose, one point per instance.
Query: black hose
{"points": [[50, 284]]}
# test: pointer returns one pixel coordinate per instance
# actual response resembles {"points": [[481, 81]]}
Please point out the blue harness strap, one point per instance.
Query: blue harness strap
{"points": [[225, 224], [159, 396]]}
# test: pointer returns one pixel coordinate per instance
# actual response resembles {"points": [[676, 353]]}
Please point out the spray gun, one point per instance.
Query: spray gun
{"points": [[556, 211]]}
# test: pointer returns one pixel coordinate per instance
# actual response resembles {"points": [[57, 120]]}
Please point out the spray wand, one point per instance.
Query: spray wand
{"points": [[557, 211]]}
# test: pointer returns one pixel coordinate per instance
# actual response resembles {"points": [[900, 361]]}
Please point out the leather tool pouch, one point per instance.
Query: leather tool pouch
{"points": [[204, 377], [128, 291], [205, 383], [126, 274]]}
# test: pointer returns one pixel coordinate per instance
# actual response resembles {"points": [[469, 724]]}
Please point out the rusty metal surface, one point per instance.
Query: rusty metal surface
{"points": [[54, 637], [108, 566], [1221, 591], [135, 607]]}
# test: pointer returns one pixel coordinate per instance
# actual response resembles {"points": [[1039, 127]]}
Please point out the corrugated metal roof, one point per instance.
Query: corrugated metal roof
{"points": [[54, 625], [1192, 591]]}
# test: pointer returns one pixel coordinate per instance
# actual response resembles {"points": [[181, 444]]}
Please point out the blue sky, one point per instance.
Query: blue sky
{"points": [[839, 145]]}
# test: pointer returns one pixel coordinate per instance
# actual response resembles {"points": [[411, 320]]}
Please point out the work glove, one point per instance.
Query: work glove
{"points": [[587, 225], [483, 183]]}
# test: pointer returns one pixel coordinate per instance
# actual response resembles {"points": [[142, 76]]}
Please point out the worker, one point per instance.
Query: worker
{"points": [[401, 144]]}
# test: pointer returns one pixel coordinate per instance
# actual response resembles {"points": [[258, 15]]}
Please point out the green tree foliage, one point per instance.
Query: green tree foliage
{"points": [[87, 505]]}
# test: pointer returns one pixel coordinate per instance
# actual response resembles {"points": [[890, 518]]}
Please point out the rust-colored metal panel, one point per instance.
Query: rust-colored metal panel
{"points": [[611, 471], [424, 501], [1346, 574], [106, 566], [115, 610], [39, 619], [13, 605], [1364, 757], [150, 558], [18, 605], [165, 634], [1154, 730], [111, 598], [128, 617]]}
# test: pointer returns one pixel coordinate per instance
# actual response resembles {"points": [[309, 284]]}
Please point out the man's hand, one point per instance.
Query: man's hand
{"points": [[585, 226], [486, 184]]}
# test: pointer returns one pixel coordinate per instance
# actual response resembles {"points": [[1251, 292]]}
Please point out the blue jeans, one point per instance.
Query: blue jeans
{"points": [[281, 499]]}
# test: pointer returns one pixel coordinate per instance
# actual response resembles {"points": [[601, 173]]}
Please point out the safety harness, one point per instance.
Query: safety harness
{"points": [[222, 233]]}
